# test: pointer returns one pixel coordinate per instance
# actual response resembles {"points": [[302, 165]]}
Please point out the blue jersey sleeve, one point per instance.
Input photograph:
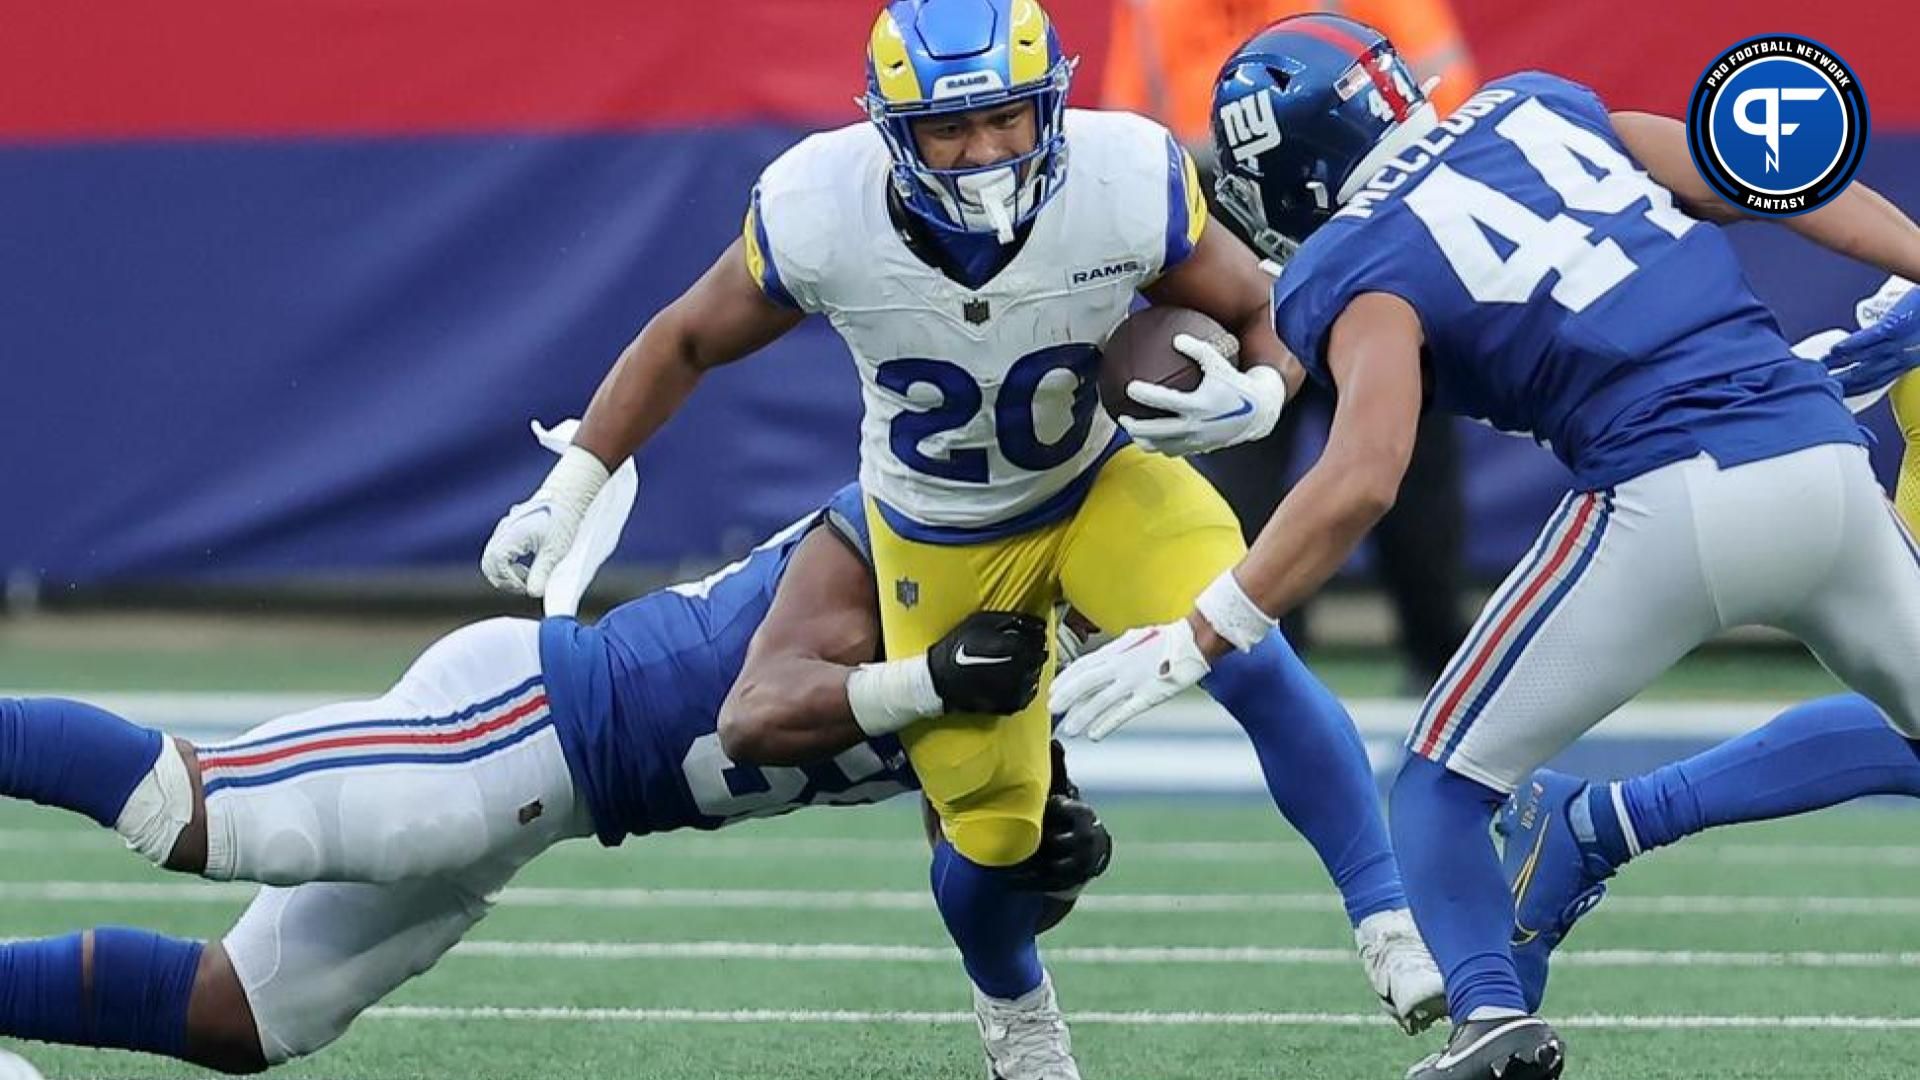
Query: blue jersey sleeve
{"points": [[1337, 264]]}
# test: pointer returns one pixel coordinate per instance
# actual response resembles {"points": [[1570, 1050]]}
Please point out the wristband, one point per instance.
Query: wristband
{"points": [[1233, 613], [887, 697]]}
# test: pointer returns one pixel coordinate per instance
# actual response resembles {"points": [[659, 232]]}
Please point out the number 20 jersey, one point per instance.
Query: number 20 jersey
{"points": [[980, 405], [1562, 294]]}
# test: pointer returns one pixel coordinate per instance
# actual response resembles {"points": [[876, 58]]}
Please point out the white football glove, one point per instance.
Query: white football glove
{"points": [[535, 535], [1229, 406], [1136, 671]]}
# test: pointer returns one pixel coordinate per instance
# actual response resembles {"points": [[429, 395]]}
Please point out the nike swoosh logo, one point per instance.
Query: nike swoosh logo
{"points": [[1524, 880], [1449, 1059], [966, 659], [1246, 407]]}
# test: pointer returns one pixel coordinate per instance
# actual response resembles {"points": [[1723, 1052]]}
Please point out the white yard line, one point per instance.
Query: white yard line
{"points": [[1124, 1019], [1121, 955], [1255, 852], [913, 900]]}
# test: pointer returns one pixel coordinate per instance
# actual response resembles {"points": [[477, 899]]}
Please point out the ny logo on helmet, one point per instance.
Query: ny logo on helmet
{"points": [[1249, 126]]}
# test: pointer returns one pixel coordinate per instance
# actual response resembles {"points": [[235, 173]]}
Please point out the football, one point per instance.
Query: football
{"points": [[14, 1067], [1142, 348]]}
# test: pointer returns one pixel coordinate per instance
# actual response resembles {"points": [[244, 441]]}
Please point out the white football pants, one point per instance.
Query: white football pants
{"points": [[1623, 583], [383, 828]]}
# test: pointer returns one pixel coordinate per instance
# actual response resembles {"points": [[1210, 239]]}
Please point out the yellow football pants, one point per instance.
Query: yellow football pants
{"points": [[1906, 410], [1149, 536]]}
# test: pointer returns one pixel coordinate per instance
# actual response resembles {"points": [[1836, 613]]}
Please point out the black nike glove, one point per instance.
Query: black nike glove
{"points": [[990, 663]]}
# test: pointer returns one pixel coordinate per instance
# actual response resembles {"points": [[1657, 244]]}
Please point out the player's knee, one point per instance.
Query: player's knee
{"points": [[164, 817], [994, 838], [221, 1033]]}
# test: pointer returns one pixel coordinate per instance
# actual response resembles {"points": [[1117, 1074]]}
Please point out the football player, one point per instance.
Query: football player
{"points": [[1541, 264], [975, 242], [383, 828]]}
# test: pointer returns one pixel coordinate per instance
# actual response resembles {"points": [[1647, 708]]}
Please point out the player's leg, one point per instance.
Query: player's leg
{"points": [[1610, 596], [136, 990], [1851, 591], [985, 776], [1150, 537], [456, 761], [1905, 396], [125, 777]]}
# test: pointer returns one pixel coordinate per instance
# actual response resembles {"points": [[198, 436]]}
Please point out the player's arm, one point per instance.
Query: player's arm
{"points": [[1374, 357], [722, 318], [1232, 404], [1859, 223], [789, 704], [813, 683], [1222, 279]]}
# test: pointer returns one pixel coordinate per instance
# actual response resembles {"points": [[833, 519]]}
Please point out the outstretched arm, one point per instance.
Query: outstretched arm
{"points": [[1859, 223]]}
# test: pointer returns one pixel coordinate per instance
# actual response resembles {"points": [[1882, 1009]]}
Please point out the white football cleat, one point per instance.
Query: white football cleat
{"points": [[1401, 970], [1025, 1038]]}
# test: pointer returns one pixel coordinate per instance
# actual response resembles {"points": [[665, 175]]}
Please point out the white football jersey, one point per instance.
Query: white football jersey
{"points": [[981, 405]]}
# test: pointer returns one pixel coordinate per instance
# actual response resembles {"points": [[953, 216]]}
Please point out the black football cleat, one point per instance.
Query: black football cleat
{"points": [[1510, 1048]]}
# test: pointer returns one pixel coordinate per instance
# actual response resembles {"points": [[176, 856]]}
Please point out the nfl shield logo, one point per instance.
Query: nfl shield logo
{"points": [[907, 591], [975, 311]]}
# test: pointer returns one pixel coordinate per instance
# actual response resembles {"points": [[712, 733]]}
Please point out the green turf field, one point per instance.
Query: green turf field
{"points": [[804, 948]]}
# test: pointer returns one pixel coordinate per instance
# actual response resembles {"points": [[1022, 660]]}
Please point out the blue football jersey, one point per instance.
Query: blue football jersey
{"points": [[636, 701], [1562, 294]]}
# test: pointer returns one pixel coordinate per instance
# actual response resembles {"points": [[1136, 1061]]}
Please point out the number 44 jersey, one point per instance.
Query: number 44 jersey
{"points": [[1563, 295], [981, 407]]}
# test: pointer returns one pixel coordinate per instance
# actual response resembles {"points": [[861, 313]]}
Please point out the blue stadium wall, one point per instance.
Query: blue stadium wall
{"points": [[278, 299]]}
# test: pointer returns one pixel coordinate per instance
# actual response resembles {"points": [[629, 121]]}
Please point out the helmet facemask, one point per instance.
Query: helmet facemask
{"points": [[996, 198]]}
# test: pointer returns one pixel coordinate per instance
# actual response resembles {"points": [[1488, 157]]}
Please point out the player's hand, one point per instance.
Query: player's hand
{"points": [[1229, 406], [1118, 682], [990, 663], [1872, 358], [1075, 848], [535, 535]]}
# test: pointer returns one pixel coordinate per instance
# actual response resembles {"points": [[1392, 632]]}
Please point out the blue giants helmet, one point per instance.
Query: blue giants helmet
{"points": [[1303, 115], [934, 57]]}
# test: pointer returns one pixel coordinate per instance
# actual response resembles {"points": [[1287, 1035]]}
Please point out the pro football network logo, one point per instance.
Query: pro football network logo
{"points": [[1777, 125]]}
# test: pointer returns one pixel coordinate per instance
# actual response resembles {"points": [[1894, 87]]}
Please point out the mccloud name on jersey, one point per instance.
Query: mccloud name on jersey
{"points": [[1418, 155]]}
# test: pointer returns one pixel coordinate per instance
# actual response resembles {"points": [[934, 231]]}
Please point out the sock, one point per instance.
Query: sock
{"points": [[142, 983], [1316, 768], [1814, 755], [993, 923], [40, 991], [1460, 898], [73, 756]]}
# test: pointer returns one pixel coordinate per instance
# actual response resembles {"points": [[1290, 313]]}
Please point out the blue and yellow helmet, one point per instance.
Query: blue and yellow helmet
{"points": [[933, 57]]}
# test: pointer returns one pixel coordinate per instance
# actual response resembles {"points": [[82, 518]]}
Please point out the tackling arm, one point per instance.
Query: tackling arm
{"points": [[1859, 223], [813, 685], [789, 705]]}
